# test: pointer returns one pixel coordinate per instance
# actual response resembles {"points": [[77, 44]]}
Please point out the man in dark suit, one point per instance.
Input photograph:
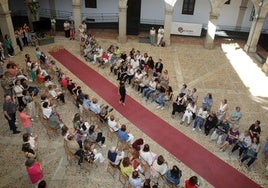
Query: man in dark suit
{"points": [[159, 66]]}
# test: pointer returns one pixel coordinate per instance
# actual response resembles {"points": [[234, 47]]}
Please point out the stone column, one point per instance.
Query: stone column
{"points": [[122, 26], [168, 23], [212, 25], [265, 66], [52, 7], [241, 14], [254, 35], [6, 25], [77, 15]]}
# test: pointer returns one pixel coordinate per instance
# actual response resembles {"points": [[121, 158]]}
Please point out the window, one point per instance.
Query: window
{"points": [[252, 14], [91, 3], [188, 7], [228, 2]]}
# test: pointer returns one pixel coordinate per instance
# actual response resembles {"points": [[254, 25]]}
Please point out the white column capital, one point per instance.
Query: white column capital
{"points": [[122, 3]]}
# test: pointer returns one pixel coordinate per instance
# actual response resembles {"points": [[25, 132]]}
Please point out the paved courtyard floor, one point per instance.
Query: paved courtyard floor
{"points": [[226, 72]]}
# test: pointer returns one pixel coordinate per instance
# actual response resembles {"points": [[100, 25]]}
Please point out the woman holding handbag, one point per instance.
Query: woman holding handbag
{"points": [[251, 152]]}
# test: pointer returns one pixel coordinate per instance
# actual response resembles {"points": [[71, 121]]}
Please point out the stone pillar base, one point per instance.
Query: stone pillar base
{"points": [[265, 68], [209, 45], [247, 48], [16, 49], [122, 39]]}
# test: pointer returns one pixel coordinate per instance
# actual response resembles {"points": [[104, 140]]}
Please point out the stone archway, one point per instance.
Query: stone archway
{"points": [[261, 9], [6, 23]]}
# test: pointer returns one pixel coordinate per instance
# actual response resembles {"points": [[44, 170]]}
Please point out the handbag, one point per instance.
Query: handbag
{"points": [[194, 115], [242, 144], [251, 153]]}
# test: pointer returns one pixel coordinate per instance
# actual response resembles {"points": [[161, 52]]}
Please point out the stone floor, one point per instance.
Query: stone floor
{"points": [[226, 72]]}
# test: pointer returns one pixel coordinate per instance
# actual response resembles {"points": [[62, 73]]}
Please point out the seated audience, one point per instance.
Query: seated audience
{"points": [[189, 113], [159, 167], [235, 117], [147, 155], [192, 182], [211, 122], [200, 118], [232, 138], [222, 109], [255, 129], [95, 136], [124, 136], [126, 167], [244, 141], [208, 101], [174, 175], [251, 153], [220, 132], [115, 156], [137, 144], [135, 180]]}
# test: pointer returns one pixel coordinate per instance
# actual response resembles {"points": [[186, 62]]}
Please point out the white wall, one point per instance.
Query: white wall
{"points": [[153, 11], [103, 6], [229, 14], [201, 12]]}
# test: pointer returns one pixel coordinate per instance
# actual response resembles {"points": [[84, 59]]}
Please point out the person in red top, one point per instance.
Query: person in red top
{"points": [[64, 82], [34, 171], [192, 182], [25, 120]]}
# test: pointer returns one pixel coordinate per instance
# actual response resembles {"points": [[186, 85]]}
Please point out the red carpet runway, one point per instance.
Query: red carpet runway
{"points": [[214, 170]]}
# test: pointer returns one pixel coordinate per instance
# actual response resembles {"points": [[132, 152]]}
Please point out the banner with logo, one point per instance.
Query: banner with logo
{"points": [[189, 29]]}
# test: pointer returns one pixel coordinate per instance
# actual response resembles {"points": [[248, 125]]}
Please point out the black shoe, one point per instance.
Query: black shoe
{"points": [[17, 132], [111, 109]]}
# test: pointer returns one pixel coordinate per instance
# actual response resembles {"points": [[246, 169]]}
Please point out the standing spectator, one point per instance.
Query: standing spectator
{"points": [[25, 120], [9, 47], [27, 31], [9, 108], [160, 35], [34, 171], [122, 92], [84, 26], [1, 68], [42, 184], [2, 52], [6, 83], [18, 40], [192, 182], [18, 89], [72, 30], [152, 36], [53, 25], [159, 66], [66, 27]]}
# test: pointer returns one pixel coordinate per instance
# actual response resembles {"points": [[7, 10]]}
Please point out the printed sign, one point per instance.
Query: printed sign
{"points": [[189, 29]]}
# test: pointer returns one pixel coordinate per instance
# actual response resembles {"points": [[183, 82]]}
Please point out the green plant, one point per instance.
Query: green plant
{"points": [[33, 7]]}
